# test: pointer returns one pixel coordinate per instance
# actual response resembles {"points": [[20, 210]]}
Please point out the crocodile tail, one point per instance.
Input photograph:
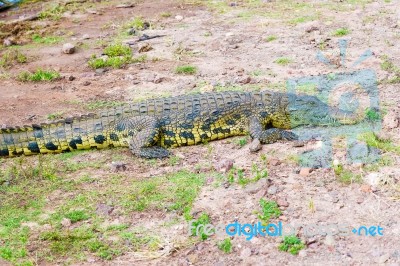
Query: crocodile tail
{"points": [[55, 137]]}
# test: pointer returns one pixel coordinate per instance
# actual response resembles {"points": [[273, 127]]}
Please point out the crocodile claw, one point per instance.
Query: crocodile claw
{"points": [[154, 153]]}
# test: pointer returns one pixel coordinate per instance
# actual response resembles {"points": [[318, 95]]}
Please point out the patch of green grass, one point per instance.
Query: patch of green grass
{"points": [[117, 50], [138, 239], [299, 20], [346, 176], [114, 62], [269, 209], [36, 38], [38, 76], [199, 224], [373, 140], [372, 114], [55, 116], [225, 245], [307, 88], [117, 56], [241, 142], [388, 65], [95, 105], [174, 192], [54, 12], [12, 57], [165, 14], [77, 215], [283, 61], [186, 70], [341, 32], [291, 244], [137, 23], [271, 38]]}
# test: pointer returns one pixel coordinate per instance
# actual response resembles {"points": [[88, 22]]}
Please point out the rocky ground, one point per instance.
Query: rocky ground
{"points": [[106, 207]]}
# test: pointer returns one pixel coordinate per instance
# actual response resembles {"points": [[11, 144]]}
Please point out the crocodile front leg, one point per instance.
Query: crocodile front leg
{"points": [[270, 135], [142, 133]]}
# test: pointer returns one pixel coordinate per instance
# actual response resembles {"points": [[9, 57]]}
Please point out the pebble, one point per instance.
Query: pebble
{"points": [[103, 209], [274, 162], [360, 200], [272, 190], [179, 17], [282, 203], [193, 258], [305, 171], [382, 259], [86, 83], [255, 145], [8, 42], [66, 222], [245, 253], [224, 165], [68, 48], [85, 36], [372, 179], [329, 240], [302, 253]]}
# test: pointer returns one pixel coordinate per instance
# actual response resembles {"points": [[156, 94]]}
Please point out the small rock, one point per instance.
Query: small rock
{"points": [[179, 17], [131, 31], [282, 203], [360, 200], [9, 41], [158, 80], [86, 83], [145, 47], [85, 36], [68, 48], [103, 209], [100, 71], [245, 80], [118, 166], [391, 120], [272, 190], [274, 162], [193, 258], [305, 171], [302, 253], [245, 253], [71, 78], [125, 5], [329, 240], [66, 222], [311, 29], [255, 187], [31, 225], [298, 143], [224, 165], [366, 188], [311, 241], [382, 259], [255, 145], [373, 179]]}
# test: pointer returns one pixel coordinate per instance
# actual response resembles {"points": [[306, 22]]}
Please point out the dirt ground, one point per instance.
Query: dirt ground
{"points": [[234, 45]]}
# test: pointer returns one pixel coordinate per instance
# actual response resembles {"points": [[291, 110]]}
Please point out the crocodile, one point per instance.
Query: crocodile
{"points": [[151, 127]]}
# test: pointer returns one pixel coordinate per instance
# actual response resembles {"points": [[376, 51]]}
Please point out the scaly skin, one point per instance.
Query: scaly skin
{"points": [[148, 128]]}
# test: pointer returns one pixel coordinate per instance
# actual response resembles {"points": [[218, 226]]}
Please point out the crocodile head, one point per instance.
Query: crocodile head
{"points": [[309, 110]]}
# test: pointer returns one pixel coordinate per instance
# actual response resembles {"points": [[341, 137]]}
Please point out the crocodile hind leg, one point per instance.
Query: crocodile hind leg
{"points": [[142, 133], [270, 135]]}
